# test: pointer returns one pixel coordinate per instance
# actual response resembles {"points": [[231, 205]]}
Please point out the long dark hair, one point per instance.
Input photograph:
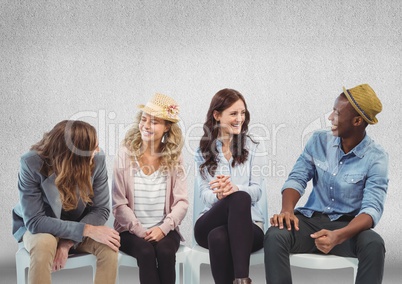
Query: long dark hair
{"points": [[66, 151], [221, 101]]}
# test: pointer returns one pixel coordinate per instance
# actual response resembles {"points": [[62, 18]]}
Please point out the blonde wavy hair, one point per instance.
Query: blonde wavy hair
{"points": [[67, 152], [169, 152]]}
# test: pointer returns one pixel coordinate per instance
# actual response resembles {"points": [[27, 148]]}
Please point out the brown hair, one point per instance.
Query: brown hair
{"points": [[221, 101], [67, 151]]}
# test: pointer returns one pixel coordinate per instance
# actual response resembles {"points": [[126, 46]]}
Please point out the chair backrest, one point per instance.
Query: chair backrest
{"points": [[263, 204], [110, 221], [198, 205]]}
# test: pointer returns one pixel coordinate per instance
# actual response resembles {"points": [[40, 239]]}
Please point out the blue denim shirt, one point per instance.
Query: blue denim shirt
{"points": [[247, 177], [343, 184]]}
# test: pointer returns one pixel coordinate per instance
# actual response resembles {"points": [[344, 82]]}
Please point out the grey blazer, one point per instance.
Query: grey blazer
{"points": [[39, 209]]}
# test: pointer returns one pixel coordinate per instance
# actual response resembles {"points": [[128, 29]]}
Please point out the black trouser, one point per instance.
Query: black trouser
{"points": [[230, 235], [156, 260], [367, 246]]}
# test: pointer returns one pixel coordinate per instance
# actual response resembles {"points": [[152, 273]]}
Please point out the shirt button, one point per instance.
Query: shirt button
{"points": [[330, 187], [329, 208], [352, 179], [334, 174], [341, 163], [333, 199]]}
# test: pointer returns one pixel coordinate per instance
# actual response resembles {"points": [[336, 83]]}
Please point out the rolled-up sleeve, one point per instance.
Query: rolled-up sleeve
{"points": [[376, 186], [303, 170], [179, 204], [205, 192]]}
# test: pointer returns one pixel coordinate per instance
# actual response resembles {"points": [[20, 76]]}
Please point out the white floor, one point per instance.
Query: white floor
{"points": [[300, 276]]}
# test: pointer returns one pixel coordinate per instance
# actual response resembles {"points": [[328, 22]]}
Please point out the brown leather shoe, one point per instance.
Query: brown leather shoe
{"points": [[242, 281]]}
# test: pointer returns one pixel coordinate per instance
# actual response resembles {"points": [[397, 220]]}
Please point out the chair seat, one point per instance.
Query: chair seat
{"points": [[319, 261], [203, 255], [181, 258], [257, 257], [23, 260], [323, 261]]}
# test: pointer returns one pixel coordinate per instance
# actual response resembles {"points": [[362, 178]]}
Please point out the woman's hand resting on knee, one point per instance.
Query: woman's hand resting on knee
{"points": [[60, 259], [104, 235]]}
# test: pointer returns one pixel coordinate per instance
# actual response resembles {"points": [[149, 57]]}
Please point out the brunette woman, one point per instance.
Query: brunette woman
{"points": [[231, 225], [64, 203]]}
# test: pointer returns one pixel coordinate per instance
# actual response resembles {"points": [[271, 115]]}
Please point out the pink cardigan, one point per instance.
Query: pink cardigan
{"points": [[176, 203]]}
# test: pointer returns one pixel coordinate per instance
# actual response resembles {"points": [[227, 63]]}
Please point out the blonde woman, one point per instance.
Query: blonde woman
{"points": [[64, 203], [149, 190]]}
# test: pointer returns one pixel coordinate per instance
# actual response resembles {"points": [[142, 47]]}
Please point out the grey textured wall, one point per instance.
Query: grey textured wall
{"points": [[97, 60]]}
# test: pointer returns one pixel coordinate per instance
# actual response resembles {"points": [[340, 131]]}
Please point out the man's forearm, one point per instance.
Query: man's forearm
{"points": [[360, 223], [290, 197]]}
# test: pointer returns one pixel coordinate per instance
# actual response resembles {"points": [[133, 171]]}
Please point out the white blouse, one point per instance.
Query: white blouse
{"points": [[149, 198]]}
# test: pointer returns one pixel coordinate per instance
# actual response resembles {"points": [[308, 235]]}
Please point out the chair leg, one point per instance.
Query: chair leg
{"points": [[195, 272], [21, 278], [354, 274], [117, 275], [186, 273], [22, 261], [177, 267], [94, 271]]}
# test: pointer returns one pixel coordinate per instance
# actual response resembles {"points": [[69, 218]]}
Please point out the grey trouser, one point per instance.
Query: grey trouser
{"points": [[367, 246]]}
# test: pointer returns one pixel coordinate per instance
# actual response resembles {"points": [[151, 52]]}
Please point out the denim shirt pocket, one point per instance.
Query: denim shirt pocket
{"points": [[354, 185], [353, 178], [321, 165]]}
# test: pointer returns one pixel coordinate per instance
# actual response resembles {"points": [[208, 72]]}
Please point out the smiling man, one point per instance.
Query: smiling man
{"points": [[349, 172]]}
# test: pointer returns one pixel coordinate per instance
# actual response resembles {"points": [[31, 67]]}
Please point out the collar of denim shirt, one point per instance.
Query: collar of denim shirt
{"points": [[359, 150]]}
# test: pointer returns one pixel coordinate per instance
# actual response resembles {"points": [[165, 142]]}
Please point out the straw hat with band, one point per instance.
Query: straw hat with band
{"points": [[365, 101], [162, 106]]}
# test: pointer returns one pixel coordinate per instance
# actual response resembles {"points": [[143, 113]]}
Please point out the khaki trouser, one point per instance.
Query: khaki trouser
{"points": [[42, 248]]}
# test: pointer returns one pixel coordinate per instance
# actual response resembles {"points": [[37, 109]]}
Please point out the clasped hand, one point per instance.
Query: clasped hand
{"points": [[222, 186], [154, 234]]}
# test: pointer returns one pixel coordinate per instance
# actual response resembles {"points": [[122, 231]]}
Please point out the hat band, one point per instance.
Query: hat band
{"points": [[357, 105], [154, 107]]}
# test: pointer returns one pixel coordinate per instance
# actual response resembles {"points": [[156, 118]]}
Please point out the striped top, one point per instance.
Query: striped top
{"points": [[149, 198]]}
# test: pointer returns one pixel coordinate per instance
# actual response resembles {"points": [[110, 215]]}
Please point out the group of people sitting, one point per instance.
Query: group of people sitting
{"points": [[65, 197]]}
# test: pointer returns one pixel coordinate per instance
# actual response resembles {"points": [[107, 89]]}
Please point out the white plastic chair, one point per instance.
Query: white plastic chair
{"points": [[23, 260], [199, 255], [322, 261]]}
